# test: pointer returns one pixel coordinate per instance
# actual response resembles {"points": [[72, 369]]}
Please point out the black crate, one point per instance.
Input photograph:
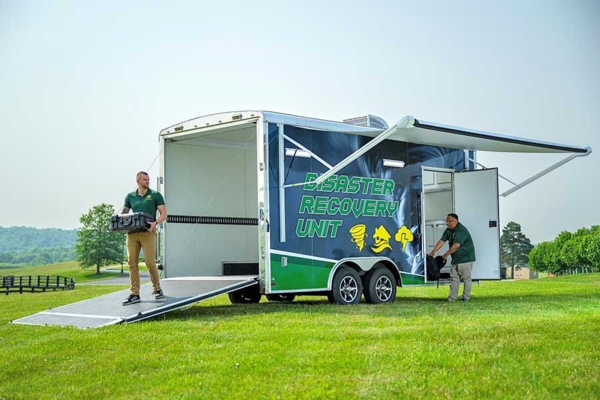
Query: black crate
{"points": [[136, 222]]}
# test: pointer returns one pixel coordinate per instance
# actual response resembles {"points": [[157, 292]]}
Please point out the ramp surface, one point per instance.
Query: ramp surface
{"points": [[108, 309]]}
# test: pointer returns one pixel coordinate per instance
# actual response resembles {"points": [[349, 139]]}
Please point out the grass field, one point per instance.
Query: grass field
{"points": [[69, 269], [513, 340]]}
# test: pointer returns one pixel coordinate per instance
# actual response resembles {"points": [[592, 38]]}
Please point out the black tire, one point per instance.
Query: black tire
{"points": [[380, 286], [287, 297], [245, 296], [347, 287]]}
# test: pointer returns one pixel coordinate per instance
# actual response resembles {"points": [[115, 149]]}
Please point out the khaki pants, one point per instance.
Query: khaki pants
{"points": [[147, 242], [458, 272]]}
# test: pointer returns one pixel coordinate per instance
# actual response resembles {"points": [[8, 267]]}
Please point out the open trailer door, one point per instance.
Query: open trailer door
{"points": [[476, 204]]}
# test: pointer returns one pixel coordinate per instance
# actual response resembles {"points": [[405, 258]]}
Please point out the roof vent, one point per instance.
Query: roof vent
{"points": [[370, 121]]}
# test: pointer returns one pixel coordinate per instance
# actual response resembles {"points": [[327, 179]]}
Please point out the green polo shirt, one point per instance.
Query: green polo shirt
{"points": [[147, 203], [460, 235]]}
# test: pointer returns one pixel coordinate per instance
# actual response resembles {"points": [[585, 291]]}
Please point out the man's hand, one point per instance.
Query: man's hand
{"points": [[431, 254], [152, 226]]}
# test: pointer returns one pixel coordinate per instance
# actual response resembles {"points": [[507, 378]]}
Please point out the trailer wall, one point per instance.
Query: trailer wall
{"points": [[210, 177]]}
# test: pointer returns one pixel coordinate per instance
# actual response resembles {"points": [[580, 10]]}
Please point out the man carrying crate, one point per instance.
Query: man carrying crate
{"points": [[147, 201]]}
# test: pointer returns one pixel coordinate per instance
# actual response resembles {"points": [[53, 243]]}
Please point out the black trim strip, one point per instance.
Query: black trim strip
{"points": [[189, 219], [417, 124]]}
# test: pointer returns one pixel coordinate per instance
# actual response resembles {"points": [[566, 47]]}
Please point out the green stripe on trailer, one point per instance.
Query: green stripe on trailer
{"points": [[321, 272], [410, 279], [299, 274]]}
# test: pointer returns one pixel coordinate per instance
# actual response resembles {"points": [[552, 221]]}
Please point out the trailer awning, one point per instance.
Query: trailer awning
{"points": [[411, 130], [429, 133]]}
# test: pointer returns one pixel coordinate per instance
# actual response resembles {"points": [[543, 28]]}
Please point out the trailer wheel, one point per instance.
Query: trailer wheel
{"points": [[281, 297], [347, 287], [380, 286], [245, 296]]}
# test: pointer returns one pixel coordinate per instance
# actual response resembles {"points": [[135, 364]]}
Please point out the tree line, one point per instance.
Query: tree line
{"points": [[568, 252], [26, 246], [37, 257]]}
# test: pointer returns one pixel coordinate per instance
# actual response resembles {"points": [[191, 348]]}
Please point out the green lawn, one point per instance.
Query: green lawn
{"points": [[70, 269], [513, 340]]}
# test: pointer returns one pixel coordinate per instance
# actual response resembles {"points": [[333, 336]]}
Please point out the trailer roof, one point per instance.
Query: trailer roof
{"points": [[419, 131]]}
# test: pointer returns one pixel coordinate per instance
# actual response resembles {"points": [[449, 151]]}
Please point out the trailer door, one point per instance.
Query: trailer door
{"points": [[476, 204]]}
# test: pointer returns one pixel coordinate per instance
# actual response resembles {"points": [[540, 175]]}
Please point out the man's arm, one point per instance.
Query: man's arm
{"points": [[451, 250], [438, 246], [161, 218], [124, 210]]}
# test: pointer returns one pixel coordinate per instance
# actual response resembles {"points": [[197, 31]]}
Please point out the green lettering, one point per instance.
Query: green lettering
{"points": [[377, 188], [333, 207], [388, 188], [369, 207], [335, 224], [320, 228], [301, 229], [341, 184], [392, 207], [354, 185], [310, 177], [381, 207], [328, 184], [358, 207], [307, 204], [367, 184], [320, 205], [345, 206]]}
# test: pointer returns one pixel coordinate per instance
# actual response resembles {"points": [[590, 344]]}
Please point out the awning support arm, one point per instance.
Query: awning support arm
{"points": [[406, 122], [484, 167], [544, 172]]}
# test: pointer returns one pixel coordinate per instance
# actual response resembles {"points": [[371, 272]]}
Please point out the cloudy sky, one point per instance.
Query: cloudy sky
{"points": [[85, 87]]}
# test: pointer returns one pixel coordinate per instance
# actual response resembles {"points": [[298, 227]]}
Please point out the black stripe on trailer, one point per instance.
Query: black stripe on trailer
{"points": [[210, 220]]}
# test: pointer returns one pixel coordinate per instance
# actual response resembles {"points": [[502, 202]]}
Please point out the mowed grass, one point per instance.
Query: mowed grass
{"points": [[514, 340], [70, 269]]}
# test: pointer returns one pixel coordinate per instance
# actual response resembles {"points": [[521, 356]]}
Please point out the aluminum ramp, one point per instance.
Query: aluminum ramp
{"points": [[108, 309]]}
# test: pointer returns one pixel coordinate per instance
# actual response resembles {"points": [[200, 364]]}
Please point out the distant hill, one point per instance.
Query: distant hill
{"points": [[21, 246], [20, 238]]}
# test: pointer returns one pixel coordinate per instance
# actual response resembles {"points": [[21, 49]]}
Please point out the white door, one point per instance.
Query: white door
{"points": [[476, 204]]}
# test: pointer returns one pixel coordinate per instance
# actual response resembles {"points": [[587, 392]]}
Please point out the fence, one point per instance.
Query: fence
{"points": [[35, 283]]}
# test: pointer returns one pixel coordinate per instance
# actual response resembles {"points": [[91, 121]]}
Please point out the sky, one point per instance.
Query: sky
{"points": [[86, 87]]}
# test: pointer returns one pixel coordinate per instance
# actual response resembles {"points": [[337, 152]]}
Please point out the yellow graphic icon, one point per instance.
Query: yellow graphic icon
{"points": [[382, 240], [404, 235], [359, 233]]}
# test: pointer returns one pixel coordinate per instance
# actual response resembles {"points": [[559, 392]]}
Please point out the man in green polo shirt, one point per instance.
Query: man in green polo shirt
{"points": [[147, 201], [462, 251]]}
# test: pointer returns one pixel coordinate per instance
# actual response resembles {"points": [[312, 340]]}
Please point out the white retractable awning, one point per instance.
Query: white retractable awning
{"points": [[458, 138], [411, 130]]}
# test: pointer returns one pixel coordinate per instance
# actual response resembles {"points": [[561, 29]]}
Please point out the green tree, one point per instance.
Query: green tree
{"points": [[538, 257], [96, 245], [573, 252], [556, 251], [515, 247], [592, 248]]}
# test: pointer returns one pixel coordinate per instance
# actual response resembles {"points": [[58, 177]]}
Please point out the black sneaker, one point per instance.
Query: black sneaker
{"points": [[158, 294], [132, 299]]}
